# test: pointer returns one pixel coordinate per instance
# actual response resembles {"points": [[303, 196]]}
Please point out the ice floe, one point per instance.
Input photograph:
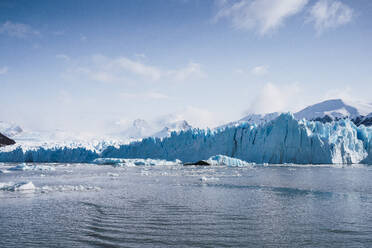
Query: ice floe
{"points": [[21, 186], [25, 167], [134, 162]]}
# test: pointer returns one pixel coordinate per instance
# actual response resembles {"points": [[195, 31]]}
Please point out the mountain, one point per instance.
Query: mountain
{"points": [[334, 109], [142, 129], [5, 141], [9, 129], [260, 118], [366, 120], [176, 126], [139, 129], [326, 111]]}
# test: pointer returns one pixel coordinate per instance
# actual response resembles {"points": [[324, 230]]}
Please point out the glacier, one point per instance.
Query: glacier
{"points": [[282, 140]]}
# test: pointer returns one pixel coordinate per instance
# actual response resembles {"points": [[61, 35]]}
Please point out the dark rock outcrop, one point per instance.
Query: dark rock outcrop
{"points": [[366, 121], [360, 120], [5, 141], [199, 163]]}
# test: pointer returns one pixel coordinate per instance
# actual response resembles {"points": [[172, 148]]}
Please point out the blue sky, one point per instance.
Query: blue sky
{"points": [[98, 65]]}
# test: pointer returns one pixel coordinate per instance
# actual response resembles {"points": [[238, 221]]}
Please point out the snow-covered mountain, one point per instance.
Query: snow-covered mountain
{"points": [[334, 109], [141, 129], [260, 118], [176, 126], [326, 111], [9, 129]]}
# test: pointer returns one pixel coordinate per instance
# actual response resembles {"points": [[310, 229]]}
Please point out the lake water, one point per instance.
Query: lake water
{"points": [[83, 205]]}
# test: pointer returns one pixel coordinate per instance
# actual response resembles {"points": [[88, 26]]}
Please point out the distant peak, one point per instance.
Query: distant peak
{"points": [[139, 122]]}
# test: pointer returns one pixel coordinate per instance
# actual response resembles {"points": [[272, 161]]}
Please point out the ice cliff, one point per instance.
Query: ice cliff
{"points": [[282, 140]]}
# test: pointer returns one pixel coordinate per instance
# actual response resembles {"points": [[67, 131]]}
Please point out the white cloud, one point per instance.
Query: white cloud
{"points": [[4, 70], [138, 68], [344, 93], [195, 116], [329, 14], [260, 70], [63, 57], [18, 30], [274, 98], [182, 74], [262, 15], [144, 96], [100, 76], [105, 69]]}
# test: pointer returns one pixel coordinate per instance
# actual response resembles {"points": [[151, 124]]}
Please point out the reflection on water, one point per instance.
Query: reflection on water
{"points": [[171, 206]]}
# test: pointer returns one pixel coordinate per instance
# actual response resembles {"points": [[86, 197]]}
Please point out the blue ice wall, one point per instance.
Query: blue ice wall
{"points": [[283, 140]]}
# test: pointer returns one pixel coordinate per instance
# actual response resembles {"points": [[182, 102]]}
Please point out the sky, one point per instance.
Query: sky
{"points": [[95, 66]]}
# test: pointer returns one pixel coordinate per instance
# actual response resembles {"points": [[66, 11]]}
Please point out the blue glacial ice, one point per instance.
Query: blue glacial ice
{"points": [[222, 160], [283, 140]]}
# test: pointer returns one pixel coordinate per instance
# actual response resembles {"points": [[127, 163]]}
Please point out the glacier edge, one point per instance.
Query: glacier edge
{"points": [[282, 140]]}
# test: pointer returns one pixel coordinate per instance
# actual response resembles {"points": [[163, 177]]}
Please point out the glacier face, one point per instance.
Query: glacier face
{"points": [[283, 140]]}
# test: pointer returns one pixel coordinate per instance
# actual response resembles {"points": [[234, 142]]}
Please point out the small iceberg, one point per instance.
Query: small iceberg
{"points": [[25, 167], [22, 186], [208, 179], [228, 161], [221, 160], [4, 171]]}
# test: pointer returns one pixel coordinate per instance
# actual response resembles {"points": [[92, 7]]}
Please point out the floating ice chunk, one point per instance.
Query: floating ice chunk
{"points": [[109, 161], [134, 162], [22, 186], [68, 188], [145, 173], [206, 179], [227, 161], [25, 167]]}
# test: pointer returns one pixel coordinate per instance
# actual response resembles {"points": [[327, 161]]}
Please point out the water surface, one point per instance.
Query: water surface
{"points": [[84, 205]]}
